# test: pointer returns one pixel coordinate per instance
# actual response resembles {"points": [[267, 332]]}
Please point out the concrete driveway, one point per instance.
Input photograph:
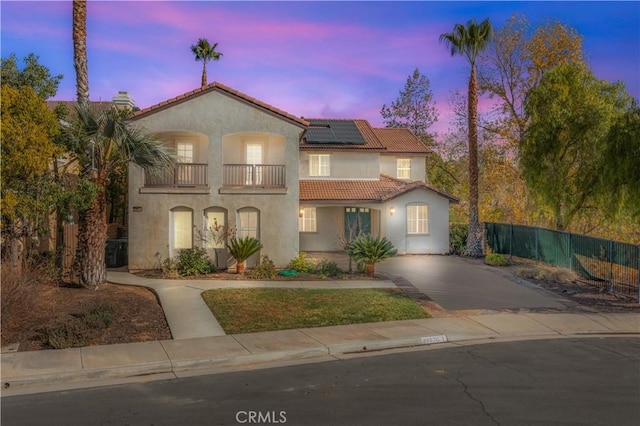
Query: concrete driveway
{"points": [[457, 283]]}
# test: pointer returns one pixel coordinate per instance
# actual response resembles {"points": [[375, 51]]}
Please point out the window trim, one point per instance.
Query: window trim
{"points": [[172, 228], [406, 169], [211, 245], [240, 229], [323, 170], [417, 220], [307, 218]]}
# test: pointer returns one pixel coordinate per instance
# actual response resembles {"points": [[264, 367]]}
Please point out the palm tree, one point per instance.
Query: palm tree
{"points": [[371, 250], [205, 52], [103, 142], [469, 41], [80, 50]]}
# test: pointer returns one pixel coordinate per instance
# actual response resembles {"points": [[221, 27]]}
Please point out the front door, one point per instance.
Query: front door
{"points": [[357, 221]]}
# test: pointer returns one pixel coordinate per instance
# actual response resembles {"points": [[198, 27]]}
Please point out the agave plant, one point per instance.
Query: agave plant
{"points": [[241, 249], [370, 250]]}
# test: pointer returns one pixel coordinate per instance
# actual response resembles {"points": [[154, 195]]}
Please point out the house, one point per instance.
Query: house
{"points": [[358, 179], [293, 183]]}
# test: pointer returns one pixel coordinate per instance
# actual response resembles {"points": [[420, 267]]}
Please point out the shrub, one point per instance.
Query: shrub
{"points": [[193, 262], [458, 238], [370, 250], [21, 289], [300, 263], [495, 259], [68, 334], [266, 270], [79, 329], [242, 248], [327, 269]]}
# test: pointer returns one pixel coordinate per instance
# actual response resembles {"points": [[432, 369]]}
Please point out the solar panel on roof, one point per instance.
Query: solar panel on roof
{"points": [[334, 132]]}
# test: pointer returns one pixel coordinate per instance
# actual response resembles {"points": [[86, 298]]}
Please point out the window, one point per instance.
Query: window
{"points": [[307, 220], [418, 219], [181, 228], [248, 223], [215, 227], [403, 168], [253, 157], [319, 165], [184, 152]]}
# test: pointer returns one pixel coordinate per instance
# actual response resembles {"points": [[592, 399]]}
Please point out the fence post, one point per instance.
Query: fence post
{"points": [[638, 268], [536, 234], [570, 251], [610, 266], [511, 241]]}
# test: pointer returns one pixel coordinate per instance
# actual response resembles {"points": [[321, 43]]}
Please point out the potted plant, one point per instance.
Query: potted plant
{"points": [[241, 249], [370, 250]]}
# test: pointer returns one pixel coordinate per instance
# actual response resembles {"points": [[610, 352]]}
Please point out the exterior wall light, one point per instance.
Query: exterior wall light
{"points": [[301, 212], [392, 210]]}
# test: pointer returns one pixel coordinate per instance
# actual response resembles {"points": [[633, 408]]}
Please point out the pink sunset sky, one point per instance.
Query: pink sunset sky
{"points": [[311, 59]]}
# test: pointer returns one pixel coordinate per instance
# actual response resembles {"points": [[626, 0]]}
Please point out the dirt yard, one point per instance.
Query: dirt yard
{"points": [[137, 316]]}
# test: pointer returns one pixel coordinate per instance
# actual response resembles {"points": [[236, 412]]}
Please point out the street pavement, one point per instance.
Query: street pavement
{"points": [[199, 343], [577, 381]]}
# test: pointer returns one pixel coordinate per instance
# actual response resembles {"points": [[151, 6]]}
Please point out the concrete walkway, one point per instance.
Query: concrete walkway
{"points": [[189, 316], [200, 346]]}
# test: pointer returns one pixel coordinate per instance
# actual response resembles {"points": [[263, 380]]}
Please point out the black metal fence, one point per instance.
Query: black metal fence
{"points": [[607, 264]]}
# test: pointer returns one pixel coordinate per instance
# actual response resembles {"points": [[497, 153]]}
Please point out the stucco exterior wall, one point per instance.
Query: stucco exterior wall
{"points": [[392, 226], [345, 165], [217, 117]]}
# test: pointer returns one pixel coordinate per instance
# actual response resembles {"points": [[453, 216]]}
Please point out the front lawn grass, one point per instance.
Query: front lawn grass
{"points": [[267, 309]]}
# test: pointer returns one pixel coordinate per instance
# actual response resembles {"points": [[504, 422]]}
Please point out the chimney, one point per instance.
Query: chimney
{"points": [[123, 100]]}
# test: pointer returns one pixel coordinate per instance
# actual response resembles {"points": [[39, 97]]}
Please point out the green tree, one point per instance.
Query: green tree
{"points": [[28, 189], [623, 162], [33, 75], [102, 143], [469, 41], [205, 52], [563, 155], [513, 64], [414, 108]]}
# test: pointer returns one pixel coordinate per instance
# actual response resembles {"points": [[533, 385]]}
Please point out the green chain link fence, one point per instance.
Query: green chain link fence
{"points": [[609, 265]]}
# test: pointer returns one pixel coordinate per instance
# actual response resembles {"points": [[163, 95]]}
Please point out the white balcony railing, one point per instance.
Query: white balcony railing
{"points": [[182, 175], [250, 175]]}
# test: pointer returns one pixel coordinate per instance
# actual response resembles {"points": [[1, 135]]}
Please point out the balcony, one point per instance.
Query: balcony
{"points": [[183, 175], [253, 176]]}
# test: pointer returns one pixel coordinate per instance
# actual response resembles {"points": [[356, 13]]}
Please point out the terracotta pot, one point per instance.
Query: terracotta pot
{"points": [[240, 267], [369, 269]]}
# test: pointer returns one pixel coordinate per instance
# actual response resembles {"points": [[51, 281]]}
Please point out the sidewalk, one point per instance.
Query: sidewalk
{"points": [[200, 344]]}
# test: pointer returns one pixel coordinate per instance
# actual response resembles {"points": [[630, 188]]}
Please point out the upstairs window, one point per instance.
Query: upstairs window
{"points": [[403, 168], [319, 165], [418, 219], [307, 219], [184, 152]]}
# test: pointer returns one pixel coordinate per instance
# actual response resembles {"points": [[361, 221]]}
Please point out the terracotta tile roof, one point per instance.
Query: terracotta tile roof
{"points": [[70, 107], [380, 190], [400, 141], [371, 140], [224, 89]]}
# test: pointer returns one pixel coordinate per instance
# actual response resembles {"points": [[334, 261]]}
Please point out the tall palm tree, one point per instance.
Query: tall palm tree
{"points": [[105, 141], [205, 52], [469, 40], [80, 50]]}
